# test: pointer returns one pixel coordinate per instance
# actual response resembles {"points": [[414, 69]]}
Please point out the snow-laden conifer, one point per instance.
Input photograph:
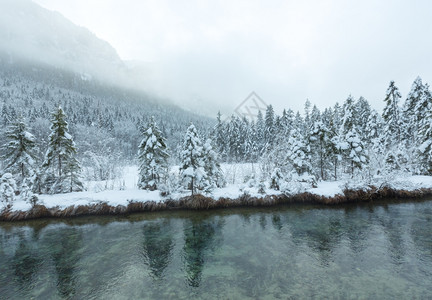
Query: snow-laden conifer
{"points": [[212, 165], [62, 169], [193, 175], [152, 157], [19, 151]]}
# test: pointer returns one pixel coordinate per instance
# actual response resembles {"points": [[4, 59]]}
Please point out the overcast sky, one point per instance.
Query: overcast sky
{"points": [[286, 51]]}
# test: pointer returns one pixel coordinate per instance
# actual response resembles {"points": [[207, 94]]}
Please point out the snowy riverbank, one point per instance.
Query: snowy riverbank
{"points": [[126, 197]]}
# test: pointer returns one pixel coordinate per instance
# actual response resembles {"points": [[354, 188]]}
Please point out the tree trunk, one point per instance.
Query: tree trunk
{"points": [[60, 167], [335, 168], [321, 161]]}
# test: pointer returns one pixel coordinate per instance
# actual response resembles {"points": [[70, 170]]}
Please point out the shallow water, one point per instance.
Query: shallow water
{"points": [[380, 251]]}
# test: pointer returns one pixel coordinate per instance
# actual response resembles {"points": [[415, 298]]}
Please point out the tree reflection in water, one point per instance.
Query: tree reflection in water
{"points": [[201, 236], [64, 250], [157, 247]]}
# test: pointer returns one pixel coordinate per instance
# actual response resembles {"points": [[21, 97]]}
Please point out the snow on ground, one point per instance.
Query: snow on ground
{"points": [[327, 188], [124, 190], [421, 181]]}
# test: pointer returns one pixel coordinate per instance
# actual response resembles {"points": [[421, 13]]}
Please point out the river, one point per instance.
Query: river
{"points": [[375, 251]]}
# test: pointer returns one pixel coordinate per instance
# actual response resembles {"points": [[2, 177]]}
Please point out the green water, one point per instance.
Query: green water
{"points": [[381, 251]]}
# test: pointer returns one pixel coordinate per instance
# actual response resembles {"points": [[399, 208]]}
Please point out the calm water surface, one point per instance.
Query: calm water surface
{"points": [[381, 251]]}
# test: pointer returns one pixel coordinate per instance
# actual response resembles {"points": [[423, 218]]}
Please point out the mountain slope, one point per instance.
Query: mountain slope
{"points": [[31, 32]]}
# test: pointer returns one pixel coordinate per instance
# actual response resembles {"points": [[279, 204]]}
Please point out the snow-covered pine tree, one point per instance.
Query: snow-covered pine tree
{"points": [[363, 111], [260, 133], [19, 151], [409, 113], [375, 142], [355, 152], [269, 126], [252, 147], [391, 116], [62, 169], [298, 155], [212, 166], [152, 158], [351, 145], [277, 179], [7, 189], [307, 119], [287, 122], [192, 173], [244, 137], [337, 116], [298, 122], [321, 147], [425, 134], [234, 139], [219, 133]]}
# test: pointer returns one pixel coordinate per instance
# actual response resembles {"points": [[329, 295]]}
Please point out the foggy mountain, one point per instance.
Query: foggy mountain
{"points": [[46, 61], [28, 31]]}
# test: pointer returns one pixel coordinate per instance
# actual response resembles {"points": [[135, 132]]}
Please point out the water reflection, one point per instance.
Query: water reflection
{"points": [[64, 249], [201, 237], [26, 263], [299, 252], [157, 246]]}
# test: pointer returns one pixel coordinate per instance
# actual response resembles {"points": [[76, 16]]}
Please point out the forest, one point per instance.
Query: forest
{"points": [[60, 131]]}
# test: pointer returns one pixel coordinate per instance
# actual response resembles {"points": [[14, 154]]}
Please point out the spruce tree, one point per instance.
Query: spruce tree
{"points": [[62, 169], [355, 152], [220, 136], [298, 155], [321, 146], [391, 116], [425, 134], [152, 157], [411, 116], [375, 142], [19, 151], [351, 144], [212, 166], [192, 172], [363, 111], [7, 189], [269, 126], [260, 133]]}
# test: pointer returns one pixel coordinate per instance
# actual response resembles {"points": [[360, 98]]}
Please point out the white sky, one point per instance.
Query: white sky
{"points": [[219, 51]]}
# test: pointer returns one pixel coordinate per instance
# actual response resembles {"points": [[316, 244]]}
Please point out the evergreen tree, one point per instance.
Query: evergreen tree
{"points": [[19, 152], [219, 134], [351, 144], [287, 122], [355, 152], [411, 116], [235, 139], [152, 157], [425, 134], [391, 116], [321, 146], [212, 166], [348, 115], [7, 189], [277, 179], [192, 171], [363, 110], [61, 166], [298, 155], [307, 119], [299, 122], [375, 142], [260, 133], [269, 126]]}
